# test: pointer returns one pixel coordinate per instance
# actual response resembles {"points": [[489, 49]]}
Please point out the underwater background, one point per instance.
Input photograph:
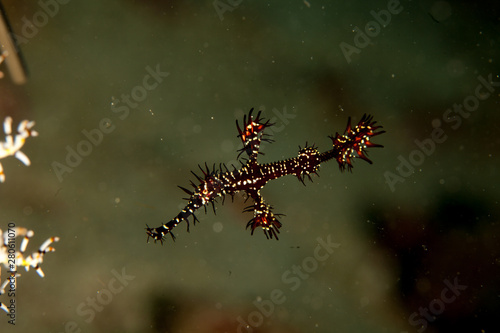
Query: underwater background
{"points": [[130, 96]]}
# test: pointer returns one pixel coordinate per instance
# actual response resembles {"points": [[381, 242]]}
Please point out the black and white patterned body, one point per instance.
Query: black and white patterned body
{"points": [[252, 176]]}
